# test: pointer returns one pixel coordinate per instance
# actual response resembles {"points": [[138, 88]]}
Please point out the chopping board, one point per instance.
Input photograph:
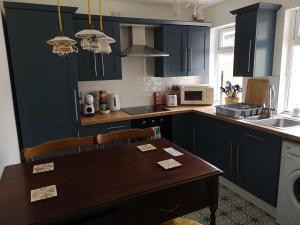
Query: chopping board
{"points": [[257, 91]]}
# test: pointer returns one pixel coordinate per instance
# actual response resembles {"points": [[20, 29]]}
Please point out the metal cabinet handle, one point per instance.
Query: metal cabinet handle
{"points": [[249, 56], [102, 60], [185, 58], [190, 59], [237, 159], [255, 137], [95, 65], [218, 126], [144, 122], [116, 127], [171, 210], [76, 105], [194, 137], [231, 156], [152, 121]]}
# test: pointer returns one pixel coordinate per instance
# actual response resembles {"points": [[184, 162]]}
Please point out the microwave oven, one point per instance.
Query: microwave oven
{"points": [[197, 95]]}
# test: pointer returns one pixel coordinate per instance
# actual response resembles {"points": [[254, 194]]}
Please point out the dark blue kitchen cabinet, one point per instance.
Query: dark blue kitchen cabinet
{"points": [[214, 142], [94, 130], [183, 132], [100, 66], [254, 40], [188, 47], [44, 84], [258, 163], [171, 39], [249, 158], [198, 50]]}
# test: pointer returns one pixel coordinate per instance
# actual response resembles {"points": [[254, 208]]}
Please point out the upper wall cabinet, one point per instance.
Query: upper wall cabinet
{"points": [[44, 84], [188, 47], [254, 40], [100, 66]]}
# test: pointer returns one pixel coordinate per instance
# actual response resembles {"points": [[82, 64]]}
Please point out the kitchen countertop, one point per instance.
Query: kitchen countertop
{"points": [[292, 134]]}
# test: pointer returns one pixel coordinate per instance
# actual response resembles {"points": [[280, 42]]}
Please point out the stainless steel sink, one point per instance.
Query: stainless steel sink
{"points": [[277, 122]]}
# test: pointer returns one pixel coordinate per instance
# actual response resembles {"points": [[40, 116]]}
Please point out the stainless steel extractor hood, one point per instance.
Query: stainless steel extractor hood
{"points": [[138, 47]]}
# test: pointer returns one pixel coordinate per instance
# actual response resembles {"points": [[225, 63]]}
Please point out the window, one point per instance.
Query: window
{"points": [[293, 73], [224, 59]]}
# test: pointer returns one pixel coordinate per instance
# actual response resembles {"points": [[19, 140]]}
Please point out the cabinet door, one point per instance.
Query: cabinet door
{"points": [[172, 39], [259, 163], [203, 138], [245, 44], [222, 137], [111, 67], [183, 132], [100, 66], [198, 50], [44, 83]]}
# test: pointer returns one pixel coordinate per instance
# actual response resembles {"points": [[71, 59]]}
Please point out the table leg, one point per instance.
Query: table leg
{"points": [[213, 215]]}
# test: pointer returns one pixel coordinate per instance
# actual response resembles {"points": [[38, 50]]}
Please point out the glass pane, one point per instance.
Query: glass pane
{"points": [[294, 100], [227, 38], [225, 64], [297, 190]]}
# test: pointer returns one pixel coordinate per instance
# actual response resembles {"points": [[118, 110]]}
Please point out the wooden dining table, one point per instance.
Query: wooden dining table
{"points": [[115, 186]]}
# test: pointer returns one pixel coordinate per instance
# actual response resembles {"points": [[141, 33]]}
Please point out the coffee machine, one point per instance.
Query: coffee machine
{"points": [[88, 107]]}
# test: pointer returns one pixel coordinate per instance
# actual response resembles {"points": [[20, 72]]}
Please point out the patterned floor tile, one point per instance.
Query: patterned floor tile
{"points": [[233, 210]]}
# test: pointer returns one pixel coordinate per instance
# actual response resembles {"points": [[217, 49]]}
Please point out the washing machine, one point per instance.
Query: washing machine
{"points": [[288, 205]]}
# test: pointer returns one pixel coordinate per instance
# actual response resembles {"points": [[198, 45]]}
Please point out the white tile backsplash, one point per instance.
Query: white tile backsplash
{"points": [[138, 83]]}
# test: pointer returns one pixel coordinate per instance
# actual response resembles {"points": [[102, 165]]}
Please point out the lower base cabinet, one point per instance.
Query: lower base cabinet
{"points": [[259, 163], [183, 131], [249, 158]]}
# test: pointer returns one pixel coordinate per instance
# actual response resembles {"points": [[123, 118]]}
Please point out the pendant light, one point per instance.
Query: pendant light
{"points": [[62, 45], [89, 37]]}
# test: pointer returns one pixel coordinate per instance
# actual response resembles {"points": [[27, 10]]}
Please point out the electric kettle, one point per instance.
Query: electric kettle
{"points": [[114, 102]]}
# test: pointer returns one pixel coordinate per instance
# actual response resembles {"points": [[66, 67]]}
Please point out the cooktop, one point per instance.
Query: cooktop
{"points": [[145, 109]]}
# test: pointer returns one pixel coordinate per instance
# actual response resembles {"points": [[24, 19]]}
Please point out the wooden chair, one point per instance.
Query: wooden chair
{"points": [[125, 136], [181, 221], [58, 146]]}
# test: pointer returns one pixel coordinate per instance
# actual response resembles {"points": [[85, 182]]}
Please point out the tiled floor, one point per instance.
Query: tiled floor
{"points": [[233, 210]]}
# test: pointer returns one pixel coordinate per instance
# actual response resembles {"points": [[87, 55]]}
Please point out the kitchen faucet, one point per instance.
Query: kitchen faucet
{"points": [[271, 96]]}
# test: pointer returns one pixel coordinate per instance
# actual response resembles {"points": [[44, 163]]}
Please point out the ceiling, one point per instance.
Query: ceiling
{"points": [[202, 3]]}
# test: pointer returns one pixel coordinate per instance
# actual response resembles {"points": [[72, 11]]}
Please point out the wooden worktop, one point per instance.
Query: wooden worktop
{"points": [[292, 134]]}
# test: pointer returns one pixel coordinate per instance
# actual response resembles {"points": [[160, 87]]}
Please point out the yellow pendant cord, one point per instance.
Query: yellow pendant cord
{"points": [[61, 31], [90, 16], [100, 15]]}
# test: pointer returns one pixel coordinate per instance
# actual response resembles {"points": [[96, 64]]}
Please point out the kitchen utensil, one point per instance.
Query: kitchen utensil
{"points": [[239, 110], [159, 98], [107, 111], [171, 100], [114, 102], [88, 108], [257, 91]]}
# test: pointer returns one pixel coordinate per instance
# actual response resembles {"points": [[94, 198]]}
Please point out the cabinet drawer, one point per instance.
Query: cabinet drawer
{"points": [[169, 204]]}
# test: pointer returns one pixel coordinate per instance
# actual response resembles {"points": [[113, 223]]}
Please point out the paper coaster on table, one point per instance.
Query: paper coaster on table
{"points": [[169, 164], [173, 151], [43, 168], [146, 147], [43, 193]]}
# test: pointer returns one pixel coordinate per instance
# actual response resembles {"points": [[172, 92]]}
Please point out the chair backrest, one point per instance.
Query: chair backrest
{"points": [[58, 146], [125, 136]]}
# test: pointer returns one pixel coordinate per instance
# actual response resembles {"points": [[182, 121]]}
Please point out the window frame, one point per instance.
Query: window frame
{"points": [[220, 50], [293, 40]]}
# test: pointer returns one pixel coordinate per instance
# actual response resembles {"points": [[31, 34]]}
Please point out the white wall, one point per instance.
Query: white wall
{"points": [[9, 146], [220, 15], [138, 83], [120, 8]]}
